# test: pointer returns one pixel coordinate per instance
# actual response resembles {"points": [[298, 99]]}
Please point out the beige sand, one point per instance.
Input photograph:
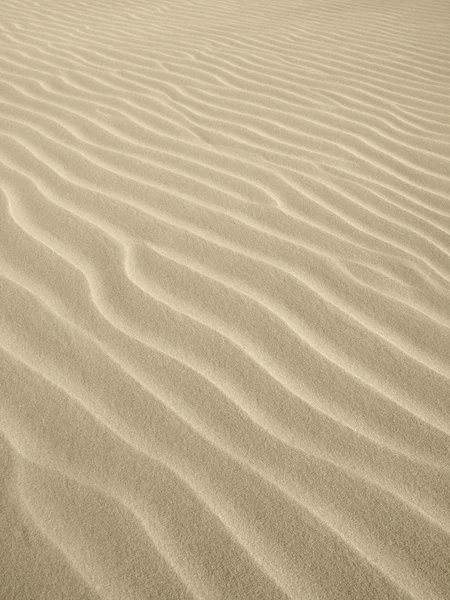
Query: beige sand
{"points": [[225, 300]]}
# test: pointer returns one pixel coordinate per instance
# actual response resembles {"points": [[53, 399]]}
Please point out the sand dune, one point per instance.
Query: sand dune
{"points": [[225, 300]]}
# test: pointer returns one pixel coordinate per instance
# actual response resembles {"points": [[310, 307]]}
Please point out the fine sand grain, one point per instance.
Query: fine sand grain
{"points": [[225, 300]]}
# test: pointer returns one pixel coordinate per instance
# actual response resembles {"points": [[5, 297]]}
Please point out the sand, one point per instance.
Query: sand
{"points": [[225, 300]]}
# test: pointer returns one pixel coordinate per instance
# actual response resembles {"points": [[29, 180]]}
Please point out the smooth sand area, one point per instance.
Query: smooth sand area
{"points": [[225, 300]]}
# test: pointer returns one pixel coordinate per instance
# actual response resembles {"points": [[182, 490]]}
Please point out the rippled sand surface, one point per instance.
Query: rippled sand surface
{"points": [[225, 300]]}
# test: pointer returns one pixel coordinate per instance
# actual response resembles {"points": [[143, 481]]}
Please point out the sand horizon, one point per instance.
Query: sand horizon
{"points": [[225, 300]]}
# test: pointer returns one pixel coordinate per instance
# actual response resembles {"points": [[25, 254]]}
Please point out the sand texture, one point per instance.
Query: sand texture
{"points": [[225, 300]]}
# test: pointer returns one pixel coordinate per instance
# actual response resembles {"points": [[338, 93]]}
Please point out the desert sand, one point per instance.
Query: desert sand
{"points": [[225, 300]]}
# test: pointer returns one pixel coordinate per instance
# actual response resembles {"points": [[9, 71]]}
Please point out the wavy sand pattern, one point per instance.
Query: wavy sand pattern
{"points": [[225, 300]]}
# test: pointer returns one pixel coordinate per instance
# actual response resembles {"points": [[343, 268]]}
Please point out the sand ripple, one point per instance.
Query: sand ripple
{"points": [[224, 300]]}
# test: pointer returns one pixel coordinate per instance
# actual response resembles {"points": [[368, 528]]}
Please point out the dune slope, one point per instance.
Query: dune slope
{"points": [[225, 300]]}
